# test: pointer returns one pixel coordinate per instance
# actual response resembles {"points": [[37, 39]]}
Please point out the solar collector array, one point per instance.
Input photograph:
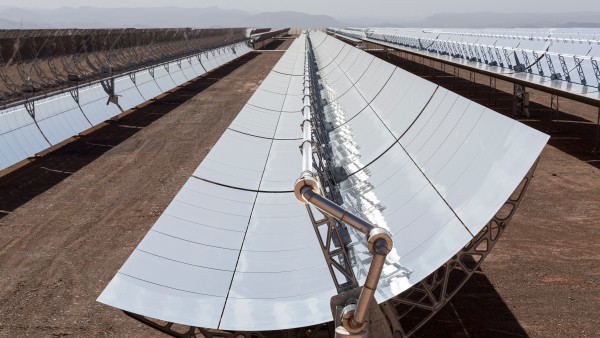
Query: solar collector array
{"points": [[574, 59], [431, 166], [60, 117], [236, 251]]}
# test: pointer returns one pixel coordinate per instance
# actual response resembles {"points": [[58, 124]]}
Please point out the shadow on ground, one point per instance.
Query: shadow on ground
{"points": [[477, 310], [273, 45]]}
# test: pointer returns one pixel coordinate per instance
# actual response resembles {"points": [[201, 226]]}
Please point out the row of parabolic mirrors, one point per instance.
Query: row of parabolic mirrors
{"points": [[235, 250], [570, 55], [31, 127]]}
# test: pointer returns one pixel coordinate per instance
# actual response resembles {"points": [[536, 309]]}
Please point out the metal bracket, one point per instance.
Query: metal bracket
{"points": [[109, 88], [554, 111], [75, 94], [520, 101], [30, 107]]}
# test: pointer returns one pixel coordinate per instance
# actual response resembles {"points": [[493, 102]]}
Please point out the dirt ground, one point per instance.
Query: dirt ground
{"points": [[68, 220]]}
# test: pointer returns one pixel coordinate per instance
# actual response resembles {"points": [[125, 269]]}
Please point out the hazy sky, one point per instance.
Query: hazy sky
{"points": [[340, 8]]}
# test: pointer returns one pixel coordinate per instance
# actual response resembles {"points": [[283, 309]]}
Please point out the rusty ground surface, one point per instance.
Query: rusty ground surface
{"points": [[542, 279], [282, 43], [69, 219]]}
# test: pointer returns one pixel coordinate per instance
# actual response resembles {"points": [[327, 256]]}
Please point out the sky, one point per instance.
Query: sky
{"points": [[339, 8]]}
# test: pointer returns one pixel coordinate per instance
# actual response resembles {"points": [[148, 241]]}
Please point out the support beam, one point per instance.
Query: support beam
{"points": [[472, 83], [554, 114], [493, 91], [597, 146], [520, 101]]}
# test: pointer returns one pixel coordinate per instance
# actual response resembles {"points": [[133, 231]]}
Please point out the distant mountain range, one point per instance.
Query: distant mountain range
{"points": [[509, 20], [210, 17], [92, 17]]}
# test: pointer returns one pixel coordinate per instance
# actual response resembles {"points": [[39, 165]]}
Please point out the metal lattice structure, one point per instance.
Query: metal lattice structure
{"points": [[409, 311]]}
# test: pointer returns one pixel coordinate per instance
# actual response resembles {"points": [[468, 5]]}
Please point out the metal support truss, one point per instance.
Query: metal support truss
{"points": [[565, 69], [474, 54], [336, 255], [526, 61], [75, 94], [432, 70], [30, 107], [596, 71], [499, 57], [109, 88], [491, 56], [580, 70], [410, 310], [484, 55], [456, 73], [472, 83], [507, 59], [493, 91], [597, 146], [553, 74], [538, 63], [554, 114], [520, 101]]}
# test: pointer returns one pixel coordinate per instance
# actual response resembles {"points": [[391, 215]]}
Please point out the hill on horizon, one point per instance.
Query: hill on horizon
{"points": [[211, 17], [165, 17]]}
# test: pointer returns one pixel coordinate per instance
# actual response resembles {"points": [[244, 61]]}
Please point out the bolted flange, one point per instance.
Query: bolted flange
{"points": [[306, 180], [377, 234], [348, 320]]}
